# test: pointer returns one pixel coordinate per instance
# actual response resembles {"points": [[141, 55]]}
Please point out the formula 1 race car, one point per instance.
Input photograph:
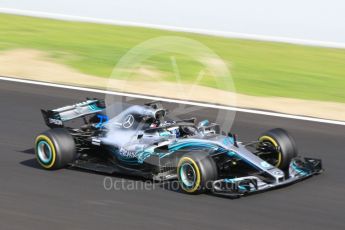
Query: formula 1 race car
{"points": [[141, 141]]}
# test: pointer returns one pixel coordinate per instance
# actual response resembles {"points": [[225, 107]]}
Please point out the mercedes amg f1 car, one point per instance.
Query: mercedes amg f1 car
{"points": [[141, 141]]}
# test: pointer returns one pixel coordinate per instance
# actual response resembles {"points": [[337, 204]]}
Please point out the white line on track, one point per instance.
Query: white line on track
{"points": [[174, 28], [253, 111]]}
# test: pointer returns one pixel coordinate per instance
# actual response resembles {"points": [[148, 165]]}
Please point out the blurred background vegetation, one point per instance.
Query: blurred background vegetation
{"points": [[257, 67]]}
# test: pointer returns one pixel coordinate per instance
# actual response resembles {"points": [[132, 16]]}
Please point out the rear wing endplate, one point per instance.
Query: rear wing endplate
{"points": [[56, 117]]}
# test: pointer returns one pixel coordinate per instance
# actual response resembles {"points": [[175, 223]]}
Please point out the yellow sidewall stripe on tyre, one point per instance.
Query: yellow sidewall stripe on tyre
{"points": [[198, 175], [270, 139], [47, 139]]}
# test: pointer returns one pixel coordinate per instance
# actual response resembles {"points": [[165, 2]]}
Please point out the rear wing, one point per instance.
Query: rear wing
{"points": [[56, 117]]}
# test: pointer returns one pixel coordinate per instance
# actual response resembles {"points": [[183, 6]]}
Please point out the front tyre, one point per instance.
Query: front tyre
{"points": [[280, 148], [55, 149], [196, 172]]}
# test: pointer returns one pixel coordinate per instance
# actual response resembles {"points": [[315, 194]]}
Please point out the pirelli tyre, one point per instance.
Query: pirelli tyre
{"points": [[196, 171], [55, 149], [284, 147]]}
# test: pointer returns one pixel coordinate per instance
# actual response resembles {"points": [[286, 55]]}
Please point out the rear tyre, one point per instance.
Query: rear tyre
{"points": [[55, 149], [283, 145], [196, 172]]}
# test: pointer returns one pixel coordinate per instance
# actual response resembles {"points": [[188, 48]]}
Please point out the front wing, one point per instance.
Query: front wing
{"points": [[299, 169]]}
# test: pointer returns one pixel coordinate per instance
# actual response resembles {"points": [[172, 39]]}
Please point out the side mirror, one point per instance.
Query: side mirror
{"points": [[234, 137], [203, 123]]}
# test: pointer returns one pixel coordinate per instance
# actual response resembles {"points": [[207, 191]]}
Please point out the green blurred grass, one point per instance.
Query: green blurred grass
{"points": [[258, 68]]}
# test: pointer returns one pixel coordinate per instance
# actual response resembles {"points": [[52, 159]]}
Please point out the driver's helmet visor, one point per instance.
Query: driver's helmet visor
{"points": [[160, 114]]}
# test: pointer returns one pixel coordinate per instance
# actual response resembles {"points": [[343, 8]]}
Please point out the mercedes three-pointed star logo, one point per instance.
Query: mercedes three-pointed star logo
{"points": [[129, 120]]}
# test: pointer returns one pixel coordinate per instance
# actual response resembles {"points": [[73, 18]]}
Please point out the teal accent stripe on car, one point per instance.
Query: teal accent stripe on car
{"points": [[193, 145], [298, 170], [94, 107]]}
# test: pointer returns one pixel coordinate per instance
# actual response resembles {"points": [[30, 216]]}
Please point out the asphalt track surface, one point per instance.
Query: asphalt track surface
{"points": [[32, 198]]}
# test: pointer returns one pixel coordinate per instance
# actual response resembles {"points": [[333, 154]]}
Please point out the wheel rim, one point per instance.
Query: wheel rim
{"points": [[44, 152], [187, 175], [274, 158]]}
